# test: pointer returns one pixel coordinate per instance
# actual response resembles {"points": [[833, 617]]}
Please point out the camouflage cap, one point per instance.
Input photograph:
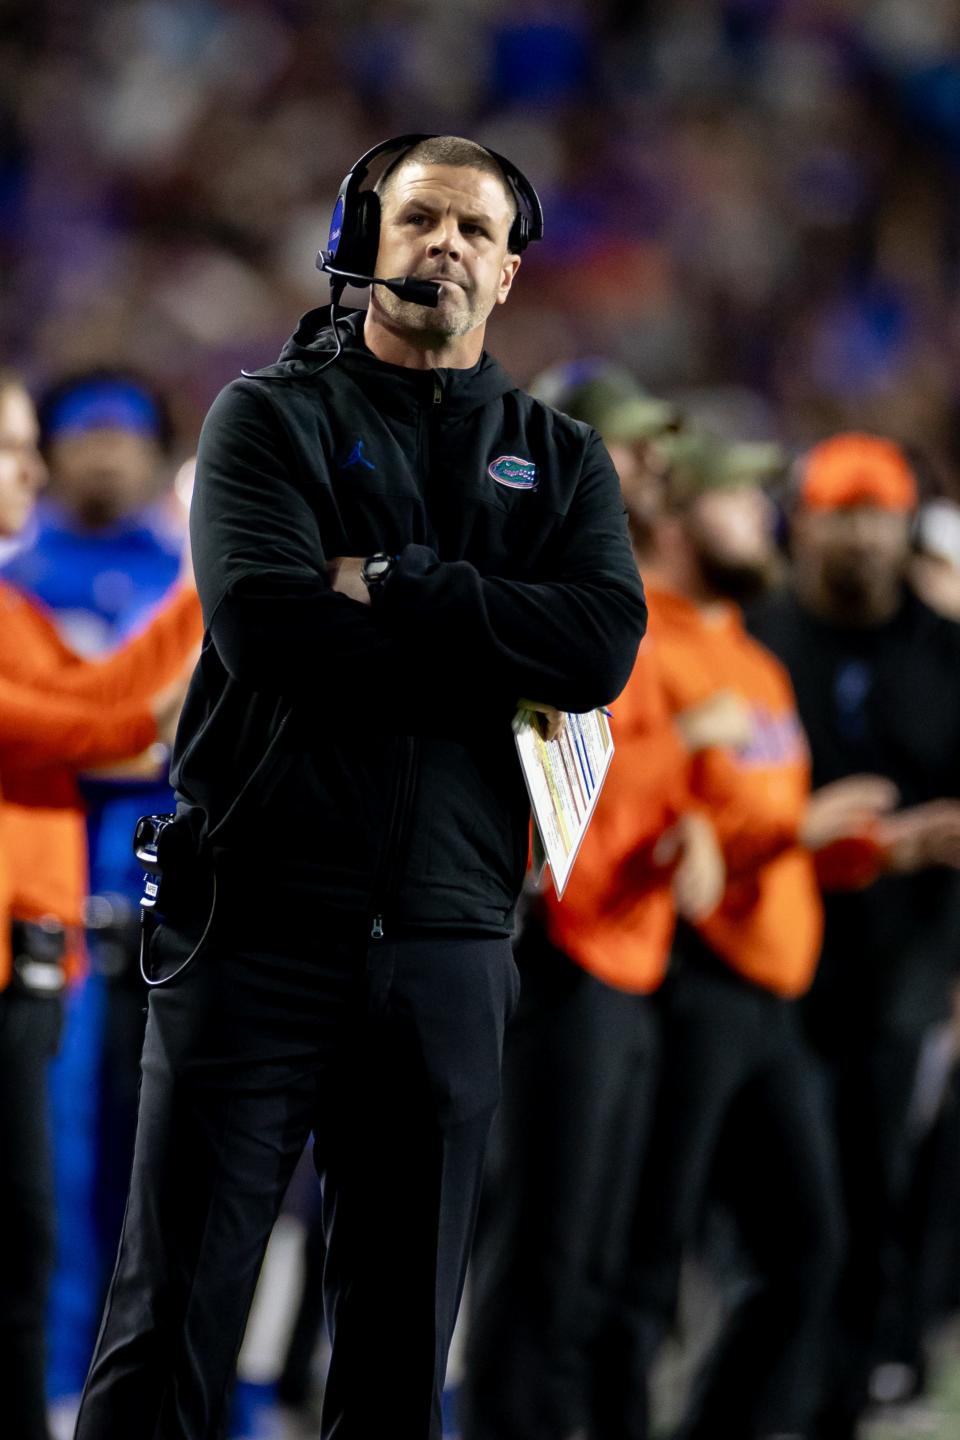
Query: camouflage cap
{"points": [[697, 463], [607, 397]]}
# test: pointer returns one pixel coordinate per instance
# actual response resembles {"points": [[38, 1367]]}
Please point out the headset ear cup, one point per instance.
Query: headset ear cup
{"points": [[519, 236], [357, 221], [366, 235]]}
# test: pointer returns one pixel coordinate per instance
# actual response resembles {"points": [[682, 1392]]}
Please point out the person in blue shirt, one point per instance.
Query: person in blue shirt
{"points": [[103, 549]]}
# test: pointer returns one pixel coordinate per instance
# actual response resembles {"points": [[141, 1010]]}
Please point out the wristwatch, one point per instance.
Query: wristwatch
{"points": [[376, 568]]}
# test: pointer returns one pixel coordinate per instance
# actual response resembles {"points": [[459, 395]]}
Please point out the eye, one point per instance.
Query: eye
{"points": [[470, 227]]}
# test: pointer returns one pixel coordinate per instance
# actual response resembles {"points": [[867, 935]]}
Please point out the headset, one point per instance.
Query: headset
{"points": [[351, 252]]}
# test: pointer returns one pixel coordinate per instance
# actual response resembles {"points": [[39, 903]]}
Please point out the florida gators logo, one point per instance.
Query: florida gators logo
{"points": [[512, 471]]}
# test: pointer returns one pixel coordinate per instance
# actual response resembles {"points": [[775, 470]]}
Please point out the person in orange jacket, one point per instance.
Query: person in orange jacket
{"points": [[58, 715], [739, 1112], [581, 1056]]}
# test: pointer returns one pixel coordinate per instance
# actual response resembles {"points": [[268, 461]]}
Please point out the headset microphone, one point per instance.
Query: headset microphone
{"points": [[418, 292]]}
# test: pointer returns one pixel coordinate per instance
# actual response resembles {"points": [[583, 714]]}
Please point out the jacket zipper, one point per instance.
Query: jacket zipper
{"points": [[406, 782], [397, 832]]}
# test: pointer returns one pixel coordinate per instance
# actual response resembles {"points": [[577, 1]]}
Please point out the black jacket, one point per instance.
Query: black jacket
{"points": [[370, 747], [880, 700]]}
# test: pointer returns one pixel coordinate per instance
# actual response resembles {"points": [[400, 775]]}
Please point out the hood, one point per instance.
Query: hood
{"points": [[313, 343]]}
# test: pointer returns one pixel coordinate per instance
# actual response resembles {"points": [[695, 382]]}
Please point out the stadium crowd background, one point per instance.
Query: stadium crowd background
{"points": [[750, 203], [751, 195]]}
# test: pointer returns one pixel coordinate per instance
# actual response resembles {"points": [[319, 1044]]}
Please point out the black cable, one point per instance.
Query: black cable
{"points": [[337, 288]]}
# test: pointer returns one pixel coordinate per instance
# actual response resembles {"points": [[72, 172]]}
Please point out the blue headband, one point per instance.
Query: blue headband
{"points": [[104, 405]]}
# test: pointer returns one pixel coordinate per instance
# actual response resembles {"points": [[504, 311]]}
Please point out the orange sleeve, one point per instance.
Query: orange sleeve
{"points": [[6, 959], [755, 827], [38, 730], [646, 792], [148, 662], [852, 863], [655, 806]]}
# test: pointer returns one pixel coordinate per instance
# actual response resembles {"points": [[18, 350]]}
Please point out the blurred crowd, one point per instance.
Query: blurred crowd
{"points": [[751, 215], [755, 196]]}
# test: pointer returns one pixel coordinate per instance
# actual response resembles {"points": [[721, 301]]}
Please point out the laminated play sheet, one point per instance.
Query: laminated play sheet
{"points": [[564, 779]]}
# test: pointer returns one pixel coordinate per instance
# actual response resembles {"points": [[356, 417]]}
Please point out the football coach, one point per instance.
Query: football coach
{"points": [[393, 545]]}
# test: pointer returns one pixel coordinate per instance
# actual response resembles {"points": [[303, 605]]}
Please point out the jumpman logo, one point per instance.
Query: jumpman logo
{"points": [[357, 457]]}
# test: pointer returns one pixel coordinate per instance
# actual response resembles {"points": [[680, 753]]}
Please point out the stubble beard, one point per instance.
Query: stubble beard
{"points": [[441, 323], [742, 581], [857, 593]]}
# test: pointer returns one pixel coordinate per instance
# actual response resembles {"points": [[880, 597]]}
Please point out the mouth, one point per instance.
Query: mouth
{"points": [[441, 280]]}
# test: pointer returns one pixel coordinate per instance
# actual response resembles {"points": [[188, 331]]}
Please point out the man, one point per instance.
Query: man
{"points": [[738, 1114], [103, 549], [57, 715], [877, 677], [347, 771], [581, 1056]]}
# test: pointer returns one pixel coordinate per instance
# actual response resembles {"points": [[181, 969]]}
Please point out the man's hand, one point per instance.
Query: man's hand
{"points": [[551, 720], [700, 877], [346, 578], [150, 764], [846, 808], [922, 836], [723, 719]]}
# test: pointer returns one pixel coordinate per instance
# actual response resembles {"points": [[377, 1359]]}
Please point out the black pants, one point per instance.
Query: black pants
{"points": [[871, 1077], [29, 1034], [390, 1052], [118, 1083], [933, 1230], [568, 1142], [740, 1119]]}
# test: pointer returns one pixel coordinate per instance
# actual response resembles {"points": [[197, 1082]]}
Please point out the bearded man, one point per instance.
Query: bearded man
{"points": [[740, 1115], [877, 679]]}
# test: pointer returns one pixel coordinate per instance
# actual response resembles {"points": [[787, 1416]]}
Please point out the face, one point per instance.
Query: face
{"points": [[104, 474], [21, 469], [641, 469], [852, 555], [732, 532], [447, 223]]}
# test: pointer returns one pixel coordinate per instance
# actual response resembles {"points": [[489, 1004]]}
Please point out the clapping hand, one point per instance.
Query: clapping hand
{"points": [[922, 836]]}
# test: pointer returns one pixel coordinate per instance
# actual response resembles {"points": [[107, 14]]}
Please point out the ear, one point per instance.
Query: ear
{"points": [[511, 264]]}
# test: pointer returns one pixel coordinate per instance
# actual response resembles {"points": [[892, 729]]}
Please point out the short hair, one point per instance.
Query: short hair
{"points": [[449, 150]]}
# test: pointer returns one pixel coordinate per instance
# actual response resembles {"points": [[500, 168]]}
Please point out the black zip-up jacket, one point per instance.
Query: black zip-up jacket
{"points": [[370, 746]]}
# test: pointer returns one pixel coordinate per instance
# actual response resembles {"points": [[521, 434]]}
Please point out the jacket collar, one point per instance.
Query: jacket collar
{"points": [[392, 386]]}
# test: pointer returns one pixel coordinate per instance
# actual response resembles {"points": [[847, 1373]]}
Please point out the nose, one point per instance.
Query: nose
{"points": [[445, 239], [860, 534]]}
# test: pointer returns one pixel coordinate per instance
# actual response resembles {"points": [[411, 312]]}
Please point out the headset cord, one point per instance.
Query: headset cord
{"points": [[337, 288]]}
